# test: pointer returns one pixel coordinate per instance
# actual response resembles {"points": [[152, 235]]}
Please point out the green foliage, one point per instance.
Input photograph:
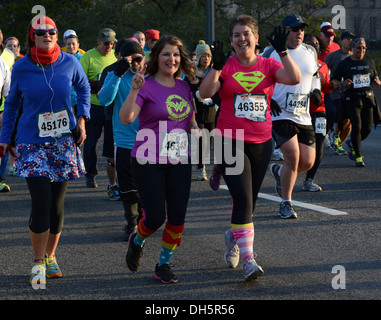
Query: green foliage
{"points": [[16, 15], [183, 18]]}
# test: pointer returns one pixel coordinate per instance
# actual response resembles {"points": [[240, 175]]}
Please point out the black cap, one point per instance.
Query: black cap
{"points": [[293, 20], [130, 47], [347, 34]]}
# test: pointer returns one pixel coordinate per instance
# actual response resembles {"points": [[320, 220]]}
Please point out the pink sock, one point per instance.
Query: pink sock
{"points": [[243, 235]]}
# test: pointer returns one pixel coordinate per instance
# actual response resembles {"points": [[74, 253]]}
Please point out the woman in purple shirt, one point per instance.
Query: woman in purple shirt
{"points": [[160, 156]]}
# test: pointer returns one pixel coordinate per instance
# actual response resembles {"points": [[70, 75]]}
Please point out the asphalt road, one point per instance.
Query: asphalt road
{"points": [[334, 245]]}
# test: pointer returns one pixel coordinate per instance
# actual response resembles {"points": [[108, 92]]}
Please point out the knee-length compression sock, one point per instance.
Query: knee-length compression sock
{"points": [[171, 239], [243, 235], [142, 234]]}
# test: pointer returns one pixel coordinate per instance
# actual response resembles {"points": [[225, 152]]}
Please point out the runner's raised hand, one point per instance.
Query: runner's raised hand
{"points": [[138, 79]]}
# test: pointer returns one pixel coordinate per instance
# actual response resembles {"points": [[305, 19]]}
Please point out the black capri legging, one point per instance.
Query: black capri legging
{"points": [[164, 191], [244, 187], [360, 112], [47, 204]]}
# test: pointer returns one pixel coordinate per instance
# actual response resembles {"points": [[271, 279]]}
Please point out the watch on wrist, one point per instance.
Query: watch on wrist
{"points": [[283, 53]]}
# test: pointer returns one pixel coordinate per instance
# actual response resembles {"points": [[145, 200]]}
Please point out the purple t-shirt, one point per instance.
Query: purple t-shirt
{"points": [[164, 119]]}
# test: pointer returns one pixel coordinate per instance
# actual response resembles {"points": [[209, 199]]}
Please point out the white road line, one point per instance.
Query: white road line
{"points": [[313, 207]]}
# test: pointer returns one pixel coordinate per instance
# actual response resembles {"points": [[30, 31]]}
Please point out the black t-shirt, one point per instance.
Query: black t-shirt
{"points": [[361, 72]]}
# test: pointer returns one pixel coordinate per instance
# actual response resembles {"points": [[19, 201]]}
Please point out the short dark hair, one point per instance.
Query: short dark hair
{"points": [[245, 20]]}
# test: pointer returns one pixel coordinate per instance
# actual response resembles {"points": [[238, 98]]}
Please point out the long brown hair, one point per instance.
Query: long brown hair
{"points": [[186, 66]]}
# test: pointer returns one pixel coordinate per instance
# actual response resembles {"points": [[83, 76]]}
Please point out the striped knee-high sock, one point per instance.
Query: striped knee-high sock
{"points": [[143, 233], [243, 235], [171, 239]]}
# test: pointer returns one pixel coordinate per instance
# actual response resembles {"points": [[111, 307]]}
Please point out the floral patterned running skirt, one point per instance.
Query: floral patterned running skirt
{"points": [[60, 161]]}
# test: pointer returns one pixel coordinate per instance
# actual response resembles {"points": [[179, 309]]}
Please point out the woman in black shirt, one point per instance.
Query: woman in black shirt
{"points": [[359, 74]]}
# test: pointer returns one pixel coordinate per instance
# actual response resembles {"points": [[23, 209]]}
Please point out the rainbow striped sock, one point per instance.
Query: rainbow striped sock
{"points": [[243, 235], [142, 234], [165, 255], [171, 239]]}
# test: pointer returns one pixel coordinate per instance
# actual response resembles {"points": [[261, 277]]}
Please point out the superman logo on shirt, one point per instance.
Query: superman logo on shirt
{"points": [[249, 80]]}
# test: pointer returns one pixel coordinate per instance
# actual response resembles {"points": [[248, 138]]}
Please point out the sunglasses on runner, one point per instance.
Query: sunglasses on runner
{"points": [[297, 28], [137, 59], [40, 32]]}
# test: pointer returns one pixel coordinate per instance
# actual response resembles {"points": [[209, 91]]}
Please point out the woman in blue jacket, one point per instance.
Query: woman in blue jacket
{"points": [[48, 136]]}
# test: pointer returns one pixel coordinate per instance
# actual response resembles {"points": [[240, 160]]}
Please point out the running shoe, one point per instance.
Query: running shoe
{"points": [[359, 162], [341, 151], [201, 174], [274, 169], [3, 186], [352, 153], [38, 276], [337, 147], [327, 143], [52, 268], [90, 182], [309, 185], [134, 254], [165, 274], [215, 179], [113, 192], [286, 211], [251, 270], [277, 155], [335, 142], [128, 230], [231, 254]]}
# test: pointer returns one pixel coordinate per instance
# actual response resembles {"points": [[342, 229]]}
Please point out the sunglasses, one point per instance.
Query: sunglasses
{"points": [[297, 28], [41, 32], [137, 59]]}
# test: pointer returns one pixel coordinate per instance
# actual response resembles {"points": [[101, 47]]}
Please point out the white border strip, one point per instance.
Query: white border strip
{"points": [[313, 207]]}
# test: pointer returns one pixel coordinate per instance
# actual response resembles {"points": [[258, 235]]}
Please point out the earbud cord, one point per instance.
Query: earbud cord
{"points": [[49, 83], [46, 80]]}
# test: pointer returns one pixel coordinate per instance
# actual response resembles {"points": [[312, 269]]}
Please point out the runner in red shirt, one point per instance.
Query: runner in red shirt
{"points": [[327, 34]]}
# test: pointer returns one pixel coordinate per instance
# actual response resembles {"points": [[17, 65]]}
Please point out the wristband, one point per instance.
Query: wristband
{"points": [[283, 53]]}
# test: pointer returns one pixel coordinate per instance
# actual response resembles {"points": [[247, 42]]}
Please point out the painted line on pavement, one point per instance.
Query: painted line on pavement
{"points": [[309, 206]]}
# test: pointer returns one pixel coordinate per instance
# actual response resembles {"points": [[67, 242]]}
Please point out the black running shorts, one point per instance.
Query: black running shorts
{"points": [[284, 130]]}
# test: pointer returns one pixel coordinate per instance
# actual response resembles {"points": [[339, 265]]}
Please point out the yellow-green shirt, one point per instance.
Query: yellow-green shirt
{"points": [[8, 57], [93, 63]]}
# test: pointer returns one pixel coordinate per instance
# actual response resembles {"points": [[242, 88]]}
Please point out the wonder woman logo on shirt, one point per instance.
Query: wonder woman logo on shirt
{"points": [[177, 107], [249, 80]]}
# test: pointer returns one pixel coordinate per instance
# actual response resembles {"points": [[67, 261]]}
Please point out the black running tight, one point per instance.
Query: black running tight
{"points": [[361, 116], [164, 190], [47, 204], [244, 187]]}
